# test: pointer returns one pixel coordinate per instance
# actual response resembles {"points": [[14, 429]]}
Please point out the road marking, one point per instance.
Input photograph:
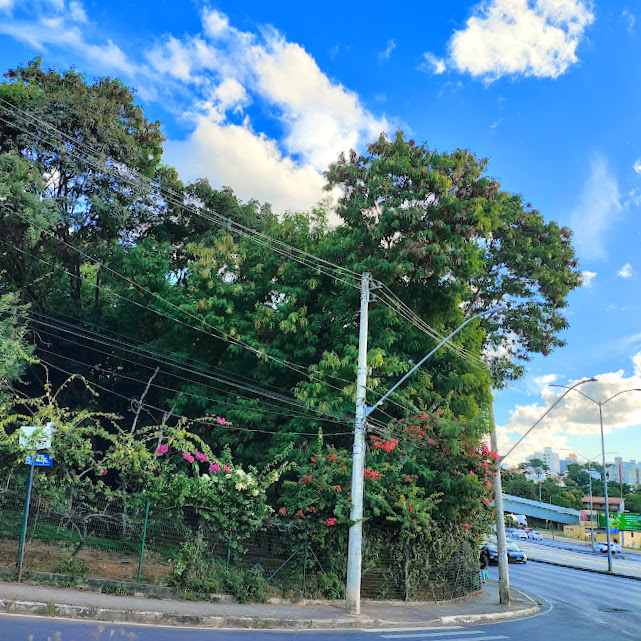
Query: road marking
{"points": [[414, 629], [434, 635]]}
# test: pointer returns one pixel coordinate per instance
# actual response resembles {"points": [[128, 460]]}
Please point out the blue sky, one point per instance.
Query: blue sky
{"points": [[262, 96]]}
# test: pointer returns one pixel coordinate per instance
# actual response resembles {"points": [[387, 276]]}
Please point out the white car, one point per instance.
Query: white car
{"points": [[520, 534], [615, 548], [535, 536]]}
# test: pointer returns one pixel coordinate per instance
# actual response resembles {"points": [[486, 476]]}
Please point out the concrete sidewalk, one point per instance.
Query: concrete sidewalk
{"points": [[36, 599]]}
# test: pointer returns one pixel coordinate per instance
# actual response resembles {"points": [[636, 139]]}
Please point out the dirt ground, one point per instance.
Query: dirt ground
{"points": [[40, 557]]}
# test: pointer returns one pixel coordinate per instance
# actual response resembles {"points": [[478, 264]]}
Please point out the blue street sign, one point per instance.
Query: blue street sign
{"points": [[42, 460]]}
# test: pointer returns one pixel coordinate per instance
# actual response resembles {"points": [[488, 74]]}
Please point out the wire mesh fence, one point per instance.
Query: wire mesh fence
{"points": [[108, 540]]}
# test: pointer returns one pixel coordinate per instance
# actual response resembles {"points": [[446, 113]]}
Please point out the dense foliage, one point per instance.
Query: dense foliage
{"points": [[179, 302]]}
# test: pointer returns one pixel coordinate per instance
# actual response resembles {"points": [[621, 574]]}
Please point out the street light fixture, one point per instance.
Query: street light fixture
{"points": [[605, 481]]}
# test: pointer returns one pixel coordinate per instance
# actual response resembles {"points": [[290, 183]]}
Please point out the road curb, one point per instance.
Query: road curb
{"points": [[151, 617], [592, 570]]}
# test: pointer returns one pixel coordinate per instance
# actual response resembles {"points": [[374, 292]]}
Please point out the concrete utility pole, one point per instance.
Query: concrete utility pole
{"points": [[501, 541], [353, 587], [354, 552]]}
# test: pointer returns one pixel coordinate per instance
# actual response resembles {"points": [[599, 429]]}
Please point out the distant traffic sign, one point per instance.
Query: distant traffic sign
{"points": [[42, 460]]}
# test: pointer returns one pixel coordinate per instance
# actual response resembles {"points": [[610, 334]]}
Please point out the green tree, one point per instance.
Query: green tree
{"points": [[450, 240]]}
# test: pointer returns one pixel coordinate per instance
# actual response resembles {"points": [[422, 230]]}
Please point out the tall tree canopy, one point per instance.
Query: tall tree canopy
{"points": [[127, 270]]}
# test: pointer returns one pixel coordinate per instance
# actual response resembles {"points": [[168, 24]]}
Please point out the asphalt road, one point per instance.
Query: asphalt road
{"points": [[580, 549], [578, 606]]}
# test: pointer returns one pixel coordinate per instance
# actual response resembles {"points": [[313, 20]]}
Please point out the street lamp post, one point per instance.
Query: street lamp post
{"points": [[354, 549], [589, 462], [605, 480]]}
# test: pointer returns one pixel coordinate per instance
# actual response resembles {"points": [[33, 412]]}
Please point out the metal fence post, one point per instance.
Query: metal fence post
{"points": [[23, 534], [305, 567], [142, 544], [228, 552]]}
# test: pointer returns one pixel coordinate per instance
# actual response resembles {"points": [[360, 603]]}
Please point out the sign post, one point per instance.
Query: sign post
{"points": [[33, 438]]}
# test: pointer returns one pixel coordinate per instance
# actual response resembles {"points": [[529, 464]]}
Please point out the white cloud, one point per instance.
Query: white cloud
{"points": [[587, 277], [636, 360], [6, 5], [231, 69], [637, 165], [77, 12], [597, 210], [211, 80], [625, 271], [384, 55], [574, 415], [232, 155], [629, 18], [520, 37], [59, 26], [433, 63]]}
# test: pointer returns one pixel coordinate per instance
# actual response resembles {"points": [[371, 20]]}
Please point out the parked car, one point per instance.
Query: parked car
{"points": [[515, 554], [534, 535], [520, 534], [603, 547]]}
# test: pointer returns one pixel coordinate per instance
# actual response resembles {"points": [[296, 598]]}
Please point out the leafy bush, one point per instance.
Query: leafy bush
{"points": [[73, 567], [246, 586]]}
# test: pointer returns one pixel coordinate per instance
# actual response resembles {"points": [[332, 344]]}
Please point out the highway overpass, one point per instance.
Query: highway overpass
{"points": [[544, 511]]}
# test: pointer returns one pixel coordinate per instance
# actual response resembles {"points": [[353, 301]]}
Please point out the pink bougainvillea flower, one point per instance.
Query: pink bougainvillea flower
{"points": [[331, 521], [227, 468], [485, 464], [190, 459], [186, 455], [489, 484], [431, 441], [471, 473], [282, 511], [214, 468], [201, 457], [220, 420], [104, 471], [162, 449]]}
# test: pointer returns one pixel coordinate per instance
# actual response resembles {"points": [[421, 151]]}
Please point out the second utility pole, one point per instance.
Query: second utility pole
{"points": [[354, 551]]}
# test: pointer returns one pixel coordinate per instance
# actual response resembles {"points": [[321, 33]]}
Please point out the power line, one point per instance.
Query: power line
{"points": [[230, 383], [191, 420]]}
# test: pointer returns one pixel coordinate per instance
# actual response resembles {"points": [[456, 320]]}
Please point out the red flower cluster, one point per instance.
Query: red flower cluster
{"points": [[331, 458], [371, 474], [331, 521], [387, 446], [282, 511]]}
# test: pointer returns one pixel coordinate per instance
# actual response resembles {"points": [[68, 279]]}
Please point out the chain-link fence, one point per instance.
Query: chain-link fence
{"points": [[106, 540]]}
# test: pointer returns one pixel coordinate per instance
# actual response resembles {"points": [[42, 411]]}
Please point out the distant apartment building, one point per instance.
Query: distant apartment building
{"points": [[624, 472], [563, 465], [550, 458]]}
